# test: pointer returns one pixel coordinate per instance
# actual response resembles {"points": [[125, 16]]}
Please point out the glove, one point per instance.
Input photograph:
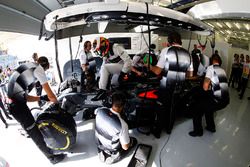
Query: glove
{"points": [[44, 98], [123, 77]]}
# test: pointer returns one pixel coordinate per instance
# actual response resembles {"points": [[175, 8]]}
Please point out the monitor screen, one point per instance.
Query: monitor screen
{"points": [[125, 41]]}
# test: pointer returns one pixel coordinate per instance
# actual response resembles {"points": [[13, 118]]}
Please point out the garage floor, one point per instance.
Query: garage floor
{"points": [[229, 146]]}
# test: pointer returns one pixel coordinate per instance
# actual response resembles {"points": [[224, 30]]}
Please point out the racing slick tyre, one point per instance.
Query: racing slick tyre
{"points": [[58, 130]]}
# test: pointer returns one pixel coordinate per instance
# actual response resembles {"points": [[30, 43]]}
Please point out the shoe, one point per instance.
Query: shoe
{"points": [[157, 132], [133, 142], [102, 156], [54, 159], [113, 158], [8, 117], [6, 125], [24, 133], [210, 129], [248, 98], [88, 114], [100, 95], [109, 161], [194, 134]]}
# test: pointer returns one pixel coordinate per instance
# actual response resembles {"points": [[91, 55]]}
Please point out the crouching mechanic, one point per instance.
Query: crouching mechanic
{"points": [[111, 131], [115, 61], [21, 83]]}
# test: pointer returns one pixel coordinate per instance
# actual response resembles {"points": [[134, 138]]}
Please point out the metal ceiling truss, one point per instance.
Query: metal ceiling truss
{"points": [[232, 29]]}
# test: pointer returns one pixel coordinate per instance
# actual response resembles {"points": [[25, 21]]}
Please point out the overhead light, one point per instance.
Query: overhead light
{"points": [[237, 25], [169, 21], [189, 27], [229, 24], [96, 17], [247, 26], [105, 16], [102, 26], [123, 16], [229, 32], [220, 25], [180, 24], [152, 22], [211, 25], [156, 19], [222, 32], [141, 17]]}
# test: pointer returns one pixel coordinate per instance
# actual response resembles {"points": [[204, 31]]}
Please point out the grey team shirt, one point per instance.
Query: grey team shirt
{"points": [[20, 83]]}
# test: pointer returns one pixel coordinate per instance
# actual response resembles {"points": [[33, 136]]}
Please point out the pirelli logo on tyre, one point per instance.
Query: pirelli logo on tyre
{"points": [[59, 129]]}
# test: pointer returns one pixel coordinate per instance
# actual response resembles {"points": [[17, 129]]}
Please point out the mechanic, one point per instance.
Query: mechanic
{"points": [[112, 136], [115, 61], [138, 68], [174, 64], [212, 97], [195, 58], [22, 81], [38, 86], [88, 71]]}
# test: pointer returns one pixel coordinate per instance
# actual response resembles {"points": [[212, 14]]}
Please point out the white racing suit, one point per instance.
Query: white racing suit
{"points": [[114, 64]]}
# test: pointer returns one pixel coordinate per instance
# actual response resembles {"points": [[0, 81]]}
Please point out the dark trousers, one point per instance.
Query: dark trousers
{"points": [[243, 86], [118, 154], [39, 89], [87, 80], [2, 109], [239, 74], [2, 118], [233, 77], [22, 114], [167, 114], [203, 105]]}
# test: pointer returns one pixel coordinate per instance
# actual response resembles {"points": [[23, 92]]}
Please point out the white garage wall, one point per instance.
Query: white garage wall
{"points": [[226, 51], [24, 46]]}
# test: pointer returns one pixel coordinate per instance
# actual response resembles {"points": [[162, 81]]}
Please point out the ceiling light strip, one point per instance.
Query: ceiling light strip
{"points": [[219, 24], [247, 26], [229, 24], [237, 25]]}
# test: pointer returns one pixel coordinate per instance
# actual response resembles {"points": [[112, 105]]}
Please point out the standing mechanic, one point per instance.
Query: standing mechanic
{"points": [[22, 81], [213, 96], [175, 64], [115, 61]]}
